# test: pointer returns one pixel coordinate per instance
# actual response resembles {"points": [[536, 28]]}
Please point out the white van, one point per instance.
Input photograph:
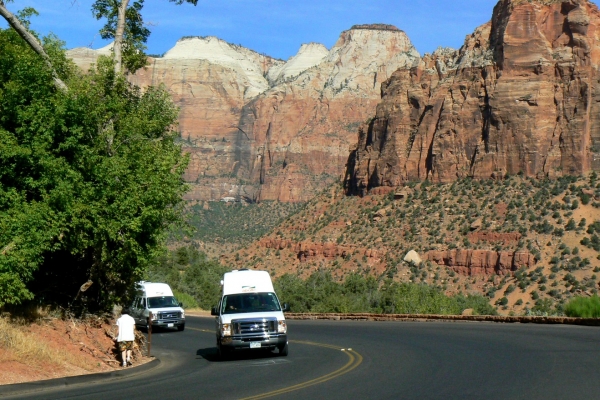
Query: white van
{"points": [[157, 298], [249, 315]]}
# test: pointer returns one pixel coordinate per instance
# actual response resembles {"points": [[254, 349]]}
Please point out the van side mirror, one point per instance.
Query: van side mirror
{"points": [[286, 307], [213, 311], [181, 305]]}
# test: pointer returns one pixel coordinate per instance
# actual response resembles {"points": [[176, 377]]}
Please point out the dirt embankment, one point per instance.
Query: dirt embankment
{"points": [[54, 348]]}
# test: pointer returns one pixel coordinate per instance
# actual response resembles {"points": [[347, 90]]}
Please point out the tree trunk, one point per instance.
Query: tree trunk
{"points": [[118, 43], [33, 43]]}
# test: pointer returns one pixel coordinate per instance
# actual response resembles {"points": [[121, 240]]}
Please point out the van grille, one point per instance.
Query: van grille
{"points": [[254, 326], [169, 314]]}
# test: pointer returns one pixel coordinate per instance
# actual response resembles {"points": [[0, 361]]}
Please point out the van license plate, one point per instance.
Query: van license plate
{"points": [[170, 325], [255, 345]]}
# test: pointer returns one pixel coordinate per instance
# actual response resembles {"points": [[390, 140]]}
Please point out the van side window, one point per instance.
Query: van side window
{"points": [[143, 302]]}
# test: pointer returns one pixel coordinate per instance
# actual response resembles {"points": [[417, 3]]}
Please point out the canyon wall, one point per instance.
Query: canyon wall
{"points": [[265, 129], [295, 138], [521, 96]]}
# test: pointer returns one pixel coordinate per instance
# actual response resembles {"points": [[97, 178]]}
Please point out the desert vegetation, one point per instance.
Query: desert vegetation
{"points": [[223, 227], [555, 221], [196, 281], [583, 307]]}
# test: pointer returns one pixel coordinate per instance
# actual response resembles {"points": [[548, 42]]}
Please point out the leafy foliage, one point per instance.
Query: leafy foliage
{"points": [[90, 180], [136, 33], [583, 307], [190, 272], [320, 293]]}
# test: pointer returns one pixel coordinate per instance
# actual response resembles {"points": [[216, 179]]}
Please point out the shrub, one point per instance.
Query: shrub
{"points": [[509, 289], [570, 225], [185, 300], [502, 301], [583, 307]]}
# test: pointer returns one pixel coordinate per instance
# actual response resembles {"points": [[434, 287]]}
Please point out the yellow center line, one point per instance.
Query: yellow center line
{"points": [[354, 360]]}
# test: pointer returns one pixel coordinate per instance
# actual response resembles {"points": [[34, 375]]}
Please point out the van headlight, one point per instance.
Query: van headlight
{"points": [[182, 314], [226, 330], [282, 328]]}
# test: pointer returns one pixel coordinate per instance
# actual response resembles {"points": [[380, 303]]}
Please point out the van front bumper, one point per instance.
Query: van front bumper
{"points": [[168, 323], [271, 342]]}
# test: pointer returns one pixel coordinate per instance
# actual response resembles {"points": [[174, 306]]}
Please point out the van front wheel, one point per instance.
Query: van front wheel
{"points": [[283, 350], [180, 327]]}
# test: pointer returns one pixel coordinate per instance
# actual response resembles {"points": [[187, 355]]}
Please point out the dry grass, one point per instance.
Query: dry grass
{"points": [[23, 346]]}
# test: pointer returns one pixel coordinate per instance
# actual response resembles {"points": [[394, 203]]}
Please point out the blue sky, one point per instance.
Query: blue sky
{"points": [[273, 27]]}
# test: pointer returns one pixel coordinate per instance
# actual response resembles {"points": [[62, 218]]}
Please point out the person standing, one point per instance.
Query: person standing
{"points": [[126, 336]]}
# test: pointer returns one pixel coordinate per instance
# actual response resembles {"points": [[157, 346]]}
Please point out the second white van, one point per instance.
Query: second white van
{"points": [[157, 298]]}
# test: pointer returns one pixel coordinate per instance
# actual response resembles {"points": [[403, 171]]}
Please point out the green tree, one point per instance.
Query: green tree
{"points": [[124, 24], [90, 178]]}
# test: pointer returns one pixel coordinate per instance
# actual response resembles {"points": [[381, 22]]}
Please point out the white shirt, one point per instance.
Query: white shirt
{"points": [[126, 326]]}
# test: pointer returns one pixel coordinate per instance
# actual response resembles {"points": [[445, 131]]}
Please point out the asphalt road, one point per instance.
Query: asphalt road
{"points": [[368, 360]]}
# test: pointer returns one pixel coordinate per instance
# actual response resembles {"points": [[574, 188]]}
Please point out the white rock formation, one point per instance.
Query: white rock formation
{"points": [[308, 56], [366, 51], [84, 57], [245, 62], [413, 258]]}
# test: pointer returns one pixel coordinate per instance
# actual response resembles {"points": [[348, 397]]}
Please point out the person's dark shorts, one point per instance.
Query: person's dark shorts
{"points": [[126, 345]]}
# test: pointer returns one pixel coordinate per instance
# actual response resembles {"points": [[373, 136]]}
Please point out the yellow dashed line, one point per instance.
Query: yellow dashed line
{"points": [[354, 360]]}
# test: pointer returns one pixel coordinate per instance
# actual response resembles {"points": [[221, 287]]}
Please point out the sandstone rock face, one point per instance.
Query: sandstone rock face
{"points": [[210, 80], [85, 57], [308, 56], [521, 95], [481, 262], [295, 137], [265, 129]]}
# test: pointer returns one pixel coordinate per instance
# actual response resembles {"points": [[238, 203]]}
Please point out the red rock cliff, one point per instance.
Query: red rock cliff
{"points": [[521, 95], [295, 138]]}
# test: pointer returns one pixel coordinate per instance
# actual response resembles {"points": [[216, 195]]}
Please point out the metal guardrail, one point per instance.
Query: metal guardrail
{"points": [[423, 317]]}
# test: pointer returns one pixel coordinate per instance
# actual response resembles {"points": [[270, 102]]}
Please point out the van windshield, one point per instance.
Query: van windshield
{"points": [[249, 302], [162, 302]]}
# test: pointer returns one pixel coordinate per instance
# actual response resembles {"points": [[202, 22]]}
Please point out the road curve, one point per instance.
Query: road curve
{"points": [[364, 360]]}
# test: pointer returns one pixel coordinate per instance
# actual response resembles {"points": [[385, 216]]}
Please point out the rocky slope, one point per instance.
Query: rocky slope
{"points": [[519, 97], [262, 128], [535, 242]]}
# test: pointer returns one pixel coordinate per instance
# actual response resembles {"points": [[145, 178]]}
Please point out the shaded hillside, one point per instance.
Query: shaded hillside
{"points": [[543, 233], [220, 227]]}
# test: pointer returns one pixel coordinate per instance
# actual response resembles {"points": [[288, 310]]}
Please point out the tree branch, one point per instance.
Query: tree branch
{"points": [[118, 43], [33, 43]]}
